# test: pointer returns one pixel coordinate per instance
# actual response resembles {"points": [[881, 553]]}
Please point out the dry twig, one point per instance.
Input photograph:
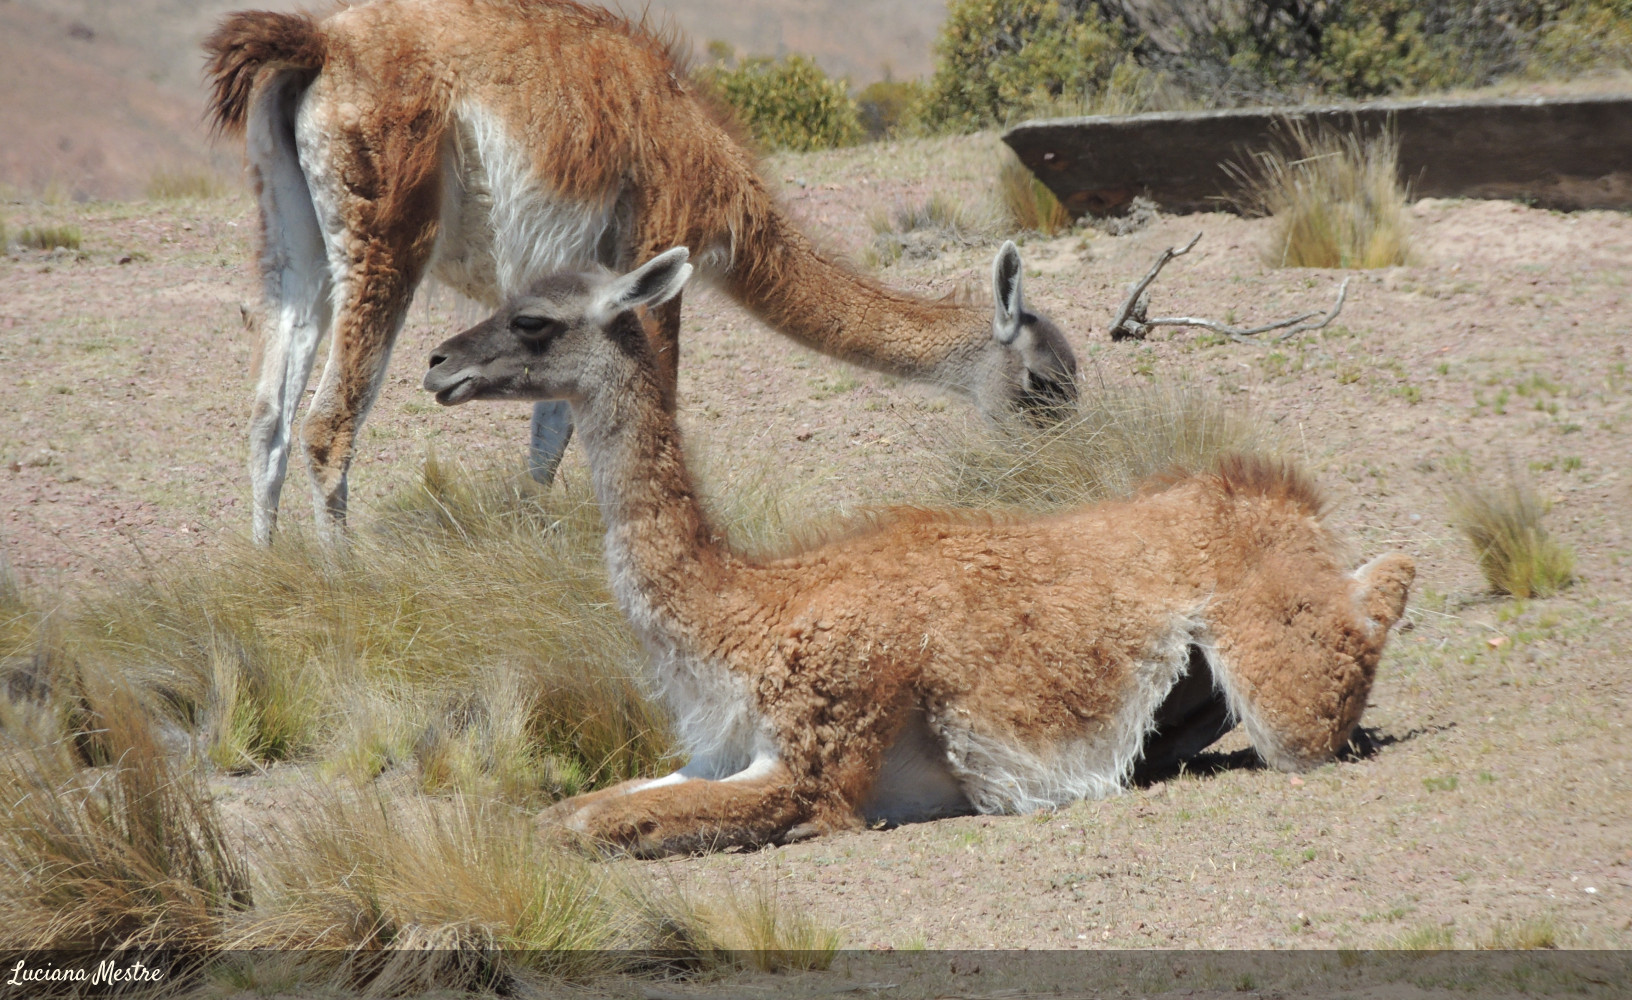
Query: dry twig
{"points": [[1132, 323]]}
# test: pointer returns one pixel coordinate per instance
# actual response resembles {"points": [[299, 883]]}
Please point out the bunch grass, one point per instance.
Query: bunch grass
{"points": [[469, 628], [1119, 437], [183, 185], [1502, 521], [1028, 204], [735, 929], [412, 894], [64, 237], [132, 855], [1335, 198]]}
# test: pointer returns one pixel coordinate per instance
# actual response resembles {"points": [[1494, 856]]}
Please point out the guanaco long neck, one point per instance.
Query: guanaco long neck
{"points": [[778, 274], [666, 566]]}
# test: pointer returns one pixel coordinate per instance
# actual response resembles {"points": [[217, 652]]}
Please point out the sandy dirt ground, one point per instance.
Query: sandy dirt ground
{"points": [[1497, 798]]}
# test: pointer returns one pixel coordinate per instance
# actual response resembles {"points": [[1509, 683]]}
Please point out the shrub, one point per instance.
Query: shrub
{"points": [[884, 105], [999, 59], [1381, 47], [1587, 35], [1027, 202], [1502, 521], [1335, 198], [50, 237], [788, 103]]}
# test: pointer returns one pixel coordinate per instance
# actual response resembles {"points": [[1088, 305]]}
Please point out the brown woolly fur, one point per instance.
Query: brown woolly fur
{"points": [[246, 42], [490, 141], [936, 663], [1272, 479]]}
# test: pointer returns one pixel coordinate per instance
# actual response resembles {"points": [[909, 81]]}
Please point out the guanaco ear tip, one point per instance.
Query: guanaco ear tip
{"points": [[1006, 289], [673, 255]]}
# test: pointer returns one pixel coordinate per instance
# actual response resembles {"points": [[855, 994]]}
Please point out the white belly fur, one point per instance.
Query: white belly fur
{"points": [[501, 227]]}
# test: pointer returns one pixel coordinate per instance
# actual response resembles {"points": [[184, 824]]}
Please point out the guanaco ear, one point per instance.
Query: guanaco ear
{"points": [[1006, 323], [652, 284]]}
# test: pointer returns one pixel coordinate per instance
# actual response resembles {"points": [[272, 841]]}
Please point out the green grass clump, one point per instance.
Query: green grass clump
{"points": [[1502, 521], [1335, 199], [1119, 438], [50, 237], [1530, 934], [787, 103], [1428, 937], [1027, 202]]}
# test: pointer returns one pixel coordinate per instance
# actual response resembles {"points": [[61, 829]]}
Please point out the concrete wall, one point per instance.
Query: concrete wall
{"points": [[1560, 152]]}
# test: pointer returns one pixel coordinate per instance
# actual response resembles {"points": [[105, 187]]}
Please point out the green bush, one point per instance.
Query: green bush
{"points": [[788, 103], [1380, 47], [1000, 59], [886, 104], [1587, 35]]}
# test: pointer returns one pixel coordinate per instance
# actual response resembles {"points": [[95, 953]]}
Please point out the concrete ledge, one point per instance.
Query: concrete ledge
{"points": [[1560, 152]]}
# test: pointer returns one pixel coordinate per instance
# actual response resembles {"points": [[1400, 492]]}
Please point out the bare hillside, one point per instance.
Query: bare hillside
{"points": [[95, 98]]}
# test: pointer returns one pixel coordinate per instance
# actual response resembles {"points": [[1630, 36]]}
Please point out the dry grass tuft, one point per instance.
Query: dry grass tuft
{"points": [[736, 929], [1028, 204], [1335, 197], [920, 232], [417, 894], [1502, 521], [471, 622], [50, 237], [132, 855], [1120, 437], [183, 185], [1530, 934]]}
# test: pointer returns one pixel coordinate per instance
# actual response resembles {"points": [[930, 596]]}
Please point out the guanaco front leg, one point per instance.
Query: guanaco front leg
{"points": [[759, 806]]}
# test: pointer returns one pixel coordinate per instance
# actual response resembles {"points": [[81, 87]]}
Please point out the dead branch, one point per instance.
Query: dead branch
{"points": [[1131, 323]]}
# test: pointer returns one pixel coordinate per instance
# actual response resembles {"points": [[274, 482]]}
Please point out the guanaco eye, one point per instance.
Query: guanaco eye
{"points": [[530, 324]]}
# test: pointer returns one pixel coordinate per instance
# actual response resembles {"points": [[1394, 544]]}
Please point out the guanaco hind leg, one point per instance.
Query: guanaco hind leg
{"points": [[380, 224], [297, 288]]}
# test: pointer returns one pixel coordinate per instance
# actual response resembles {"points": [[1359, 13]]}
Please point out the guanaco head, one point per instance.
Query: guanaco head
{"points": [[552, 342], [1048, 382]]}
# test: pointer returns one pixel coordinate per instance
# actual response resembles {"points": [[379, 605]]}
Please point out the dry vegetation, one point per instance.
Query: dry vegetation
{"points": [[1502, 521], [1336, 199], [1027, 202]]}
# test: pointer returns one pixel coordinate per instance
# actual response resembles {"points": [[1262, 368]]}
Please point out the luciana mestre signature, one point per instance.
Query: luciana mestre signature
{"points": [[105, 973]]}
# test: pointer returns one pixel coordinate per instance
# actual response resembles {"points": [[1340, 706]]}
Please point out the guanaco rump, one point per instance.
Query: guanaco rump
{"points": [[488, 142], [934, 663]]}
